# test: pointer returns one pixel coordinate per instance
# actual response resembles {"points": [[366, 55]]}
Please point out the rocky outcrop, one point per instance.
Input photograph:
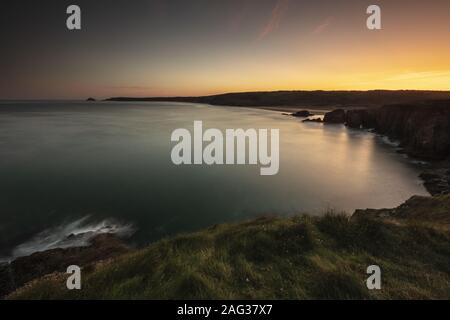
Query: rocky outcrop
{"points": [[335, 116], [436, 178], [423, 129], [319, 120], [360, 118], [302, 114], [433, 210], [354, 118], [24, 269], [6, 279], [90, 99]]}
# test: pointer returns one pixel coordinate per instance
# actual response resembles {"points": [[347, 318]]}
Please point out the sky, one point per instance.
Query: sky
{"points": [[201, 47]]}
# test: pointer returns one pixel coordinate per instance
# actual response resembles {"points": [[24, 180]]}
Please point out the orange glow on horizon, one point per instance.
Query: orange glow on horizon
{"points": [[278, 45]]}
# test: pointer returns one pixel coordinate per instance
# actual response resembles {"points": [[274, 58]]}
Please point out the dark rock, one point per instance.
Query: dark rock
{"points": [[436, 178], [25, 269], [423, 129], [313, 120], [6, 279], [302, 114], [360, 118], [90, 99], [437, 186], [429, 176], [436, 189], [335, 116]]}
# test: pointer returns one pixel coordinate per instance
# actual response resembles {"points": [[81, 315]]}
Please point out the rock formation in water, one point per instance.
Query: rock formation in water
{"points": [[319, 120], [302, 114]]}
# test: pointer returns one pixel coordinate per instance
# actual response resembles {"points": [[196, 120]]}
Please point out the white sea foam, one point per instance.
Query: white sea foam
{"points": [[77, 233], [419, 162], [390, 142]]}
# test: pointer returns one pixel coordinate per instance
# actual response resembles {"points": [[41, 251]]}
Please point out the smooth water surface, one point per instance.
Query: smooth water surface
{"points": [[109, 165]]}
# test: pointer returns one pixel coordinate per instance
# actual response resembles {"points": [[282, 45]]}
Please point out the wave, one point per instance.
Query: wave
{"points": [[387, 140], [419, 162], [78, 233]]}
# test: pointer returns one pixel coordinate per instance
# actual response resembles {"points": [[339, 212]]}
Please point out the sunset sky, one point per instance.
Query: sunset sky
{"points": [[200, 47]]}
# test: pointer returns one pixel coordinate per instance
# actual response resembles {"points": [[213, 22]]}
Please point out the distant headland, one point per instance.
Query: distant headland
{"points": [[311, 99]]}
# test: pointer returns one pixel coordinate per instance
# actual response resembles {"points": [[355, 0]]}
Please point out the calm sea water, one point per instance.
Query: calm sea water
{"points": [[68, 168]]}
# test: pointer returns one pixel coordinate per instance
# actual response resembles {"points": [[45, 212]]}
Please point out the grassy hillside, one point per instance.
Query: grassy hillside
{"points": [[280, 258]]}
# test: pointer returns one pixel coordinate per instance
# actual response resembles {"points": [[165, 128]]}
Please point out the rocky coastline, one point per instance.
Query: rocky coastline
{"points": [[22, 270], [422, 129]]}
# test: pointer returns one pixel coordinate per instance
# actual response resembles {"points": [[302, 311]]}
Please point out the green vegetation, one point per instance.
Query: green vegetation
{"points": [[278, 258]]}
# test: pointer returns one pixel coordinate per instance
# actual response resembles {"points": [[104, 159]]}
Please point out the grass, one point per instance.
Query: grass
{"points": [[276, 258]]}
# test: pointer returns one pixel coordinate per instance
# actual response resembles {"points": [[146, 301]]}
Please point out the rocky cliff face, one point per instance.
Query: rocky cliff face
{"points": [[423, 129], [335, 116], [360, 118]]}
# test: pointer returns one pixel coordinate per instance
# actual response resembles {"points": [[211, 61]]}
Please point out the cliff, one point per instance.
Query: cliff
{"points": [[302, 257], [24, 269], [422, 129]]}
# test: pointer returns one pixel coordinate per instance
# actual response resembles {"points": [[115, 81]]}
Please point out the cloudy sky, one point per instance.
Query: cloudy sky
{"points": [[199, 47]]}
